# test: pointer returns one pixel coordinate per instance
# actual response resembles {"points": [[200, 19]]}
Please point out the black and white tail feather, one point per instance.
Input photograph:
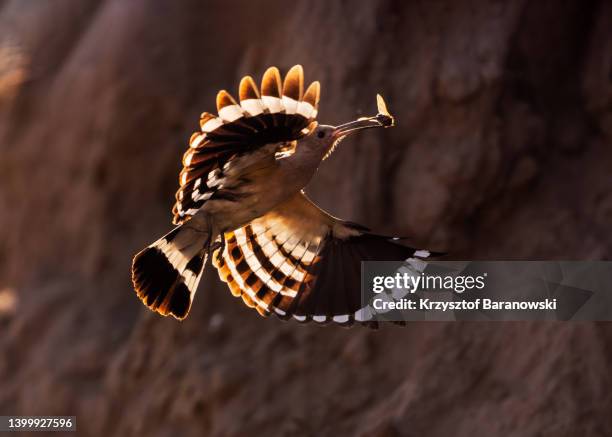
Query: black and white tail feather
{"points": [[167, 273], [295, 261]]}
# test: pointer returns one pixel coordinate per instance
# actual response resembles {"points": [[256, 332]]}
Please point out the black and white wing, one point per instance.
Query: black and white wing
{"points": [[299, 262], [282, 113]]}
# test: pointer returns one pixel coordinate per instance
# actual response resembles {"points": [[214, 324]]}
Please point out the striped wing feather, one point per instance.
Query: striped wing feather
{"points": [[299, 262], [280, 113]]}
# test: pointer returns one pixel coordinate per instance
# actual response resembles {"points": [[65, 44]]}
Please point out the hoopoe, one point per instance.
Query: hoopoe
{"points": [[241, 199]]}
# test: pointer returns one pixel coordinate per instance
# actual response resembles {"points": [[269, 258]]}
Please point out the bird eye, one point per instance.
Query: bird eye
{"points": [[320, 134]]}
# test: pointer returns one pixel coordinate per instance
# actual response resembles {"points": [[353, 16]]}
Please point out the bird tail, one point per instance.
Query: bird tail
{"points": [[166, 274]]}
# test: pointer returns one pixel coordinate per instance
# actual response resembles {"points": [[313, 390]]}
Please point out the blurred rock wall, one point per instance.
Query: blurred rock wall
{"points": [[502, 151]]}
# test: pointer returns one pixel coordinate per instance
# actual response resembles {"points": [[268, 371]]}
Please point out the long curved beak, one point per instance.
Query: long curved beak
{"points": [[382, 119]]}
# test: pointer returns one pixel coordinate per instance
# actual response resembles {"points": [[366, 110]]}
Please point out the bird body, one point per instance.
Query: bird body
{"points": [[261, 181], [241, 200]]}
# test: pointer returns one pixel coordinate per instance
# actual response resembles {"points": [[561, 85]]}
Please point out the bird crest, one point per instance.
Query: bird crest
{"points": [[281, 112]]}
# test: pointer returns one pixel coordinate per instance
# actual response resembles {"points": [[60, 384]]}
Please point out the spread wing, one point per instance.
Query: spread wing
{"points": [[299, 262], [281, 113]]}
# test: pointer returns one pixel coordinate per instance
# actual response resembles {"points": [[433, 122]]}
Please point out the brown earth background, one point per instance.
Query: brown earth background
{"points": [[502, 151]]}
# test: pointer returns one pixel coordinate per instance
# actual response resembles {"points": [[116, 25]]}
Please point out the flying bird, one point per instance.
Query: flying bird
{"points": [[241, 201]]}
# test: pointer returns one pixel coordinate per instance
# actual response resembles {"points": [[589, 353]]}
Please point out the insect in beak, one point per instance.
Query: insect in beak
{"points": [[382, 119]]}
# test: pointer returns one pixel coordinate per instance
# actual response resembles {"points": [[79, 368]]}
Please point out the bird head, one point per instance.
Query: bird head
{"points": [[324, 138]]}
